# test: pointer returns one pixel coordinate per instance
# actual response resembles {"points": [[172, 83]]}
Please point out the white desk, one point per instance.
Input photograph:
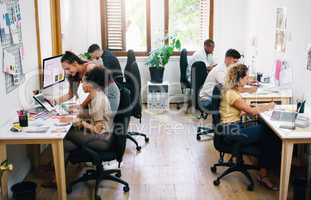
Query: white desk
{"points": [[289, 138], [56, 141], [268, 93]]}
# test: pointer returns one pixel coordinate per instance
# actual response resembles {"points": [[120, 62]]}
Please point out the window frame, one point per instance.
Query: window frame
{"points": [[104, 34], [56, 27], [56, 33]]}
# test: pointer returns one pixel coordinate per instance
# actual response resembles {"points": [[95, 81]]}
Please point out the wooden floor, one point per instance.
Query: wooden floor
{"points": [[172, 166]]}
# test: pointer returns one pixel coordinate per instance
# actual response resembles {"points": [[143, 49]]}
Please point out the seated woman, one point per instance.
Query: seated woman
{"points": [[94, 125], [232, 107], [75, 68]]}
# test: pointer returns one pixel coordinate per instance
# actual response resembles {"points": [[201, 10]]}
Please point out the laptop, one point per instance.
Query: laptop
{"points": [[48, 106], [44, 102], [284, 116]]}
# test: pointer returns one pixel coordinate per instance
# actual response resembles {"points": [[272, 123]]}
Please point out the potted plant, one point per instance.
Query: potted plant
{"points": [[85, 56], [160, 57]]}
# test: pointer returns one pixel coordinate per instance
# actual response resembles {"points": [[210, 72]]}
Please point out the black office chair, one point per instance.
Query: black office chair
{"points": [[133, 83], [184, 83], [183, 64], [86, 154], [198, 76], [225, 145], [112, 63]]}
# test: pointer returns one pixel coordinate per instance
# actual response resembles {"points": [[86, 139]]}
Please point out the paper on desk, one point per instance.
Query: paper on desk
{"points": [[34, 129]]}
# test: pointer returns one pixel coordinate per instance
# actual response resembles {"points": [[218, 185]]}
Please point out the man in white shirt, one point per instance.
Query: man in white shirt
{"points": [[217, 76], [205, 55]]}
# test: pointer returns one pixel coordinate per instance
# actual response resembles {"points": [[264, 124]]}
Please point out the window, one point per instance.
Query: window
{"points": [[141, 25], [189, 20], [135, 25], [120, 25], [157, 23], [80, 27]]}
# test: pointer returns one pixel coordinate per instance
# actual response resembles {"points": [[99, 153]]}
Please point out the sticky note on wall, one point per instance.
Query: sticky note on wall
{"points": [[278, 68]]}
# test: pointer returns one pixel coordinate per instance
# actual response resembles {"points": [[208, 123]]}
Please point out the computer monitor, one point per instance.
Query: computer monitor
{"points": [[53, 71]]}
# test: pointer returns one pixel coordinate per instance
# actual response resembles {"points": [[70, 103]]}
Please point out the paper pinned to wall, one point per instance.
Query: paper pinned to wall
{"points": [[14, 34], [278, 67], [309, 58], [286, 74], [281, 30], [12, 43], [9, 64]]}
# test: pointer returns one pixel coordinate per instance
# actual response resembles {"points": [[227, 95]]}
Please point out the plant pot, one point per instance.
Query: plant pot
{"points": [[156, 74]]}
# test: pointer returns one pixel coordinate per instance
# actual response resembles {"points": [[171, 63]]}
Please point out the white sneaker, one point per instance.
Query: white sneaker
{"points": [[111, 165]]}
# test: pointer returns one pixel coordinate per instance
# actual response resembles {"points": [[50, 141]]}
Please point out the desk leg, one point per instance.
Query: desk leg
{"points": [[58, 157], [287, 153], [4, 180]]}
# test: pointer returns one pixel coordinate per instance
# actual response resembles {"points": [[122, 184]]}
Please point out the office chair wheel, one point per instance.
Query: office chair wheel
{"points": [[126, 188], [97, 197], [214, 169], [69, 189], [118, 174], [216, 182], [147, 140], [138, 148], [250, 188], [198, 138]]}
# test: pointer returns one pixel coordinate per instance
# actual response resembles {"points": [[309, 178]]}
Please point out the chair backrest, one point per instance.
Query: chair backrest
{"points": [[130, 57], [133, 83], [183, 64], [215, 105], [216, 118], [198, 76], [121, 123], [112, 63]]}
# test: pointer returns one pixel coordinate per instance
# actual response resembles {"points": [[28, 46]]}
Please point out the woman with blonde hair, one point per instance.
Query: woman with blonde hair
{"points": [[232, 107]]}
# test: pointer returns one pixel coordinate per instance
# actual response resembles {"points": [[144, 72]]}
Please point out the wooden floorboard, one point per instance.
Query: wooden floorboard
{"points": [[173, 166]]}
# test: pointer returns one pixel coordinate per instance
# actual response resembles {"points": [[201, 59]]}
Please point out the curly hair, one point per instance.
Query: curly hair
{"points": [[235, 73], [98, 76]]}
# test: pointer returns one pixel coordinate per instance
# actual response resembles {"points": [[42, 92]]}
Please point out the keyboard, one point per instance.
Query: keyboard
{"points": [[284, 116]]}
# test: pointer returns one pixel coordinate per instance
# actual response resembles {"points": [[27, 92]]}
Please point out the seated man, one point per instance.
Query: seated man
{"points": [[95, 54], [104, 57], [217, 76], [205, 55]]}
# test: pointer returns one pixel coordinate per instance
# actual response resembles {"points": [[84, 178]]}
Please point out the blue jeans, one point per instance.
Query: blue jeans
{"points": [[206, 103], [257, 134]]}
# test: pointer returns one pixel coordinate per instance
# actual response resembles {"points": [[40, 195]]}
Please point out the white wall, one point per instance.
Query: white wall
{"points": [[44, 10], [80, 21], [21, 96], [230, 19], [236, 22], [171, 74], [262, 24]]}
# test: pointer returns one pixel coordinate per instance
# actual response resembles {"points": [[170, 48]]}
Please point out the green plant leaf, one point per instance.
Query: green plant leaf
{"points": [[160, 57], [178, 44]]}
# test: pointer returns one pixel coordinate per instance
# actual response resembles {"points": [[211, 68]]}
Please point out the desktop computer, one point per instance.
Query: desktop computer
{"points": [[53, 71], [53, 77]]}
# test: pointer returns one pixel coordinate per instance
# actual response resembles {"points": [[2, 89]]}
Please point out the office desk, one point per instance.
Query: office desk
{"points": [[289, 138], [50, 137], [268, 93]]}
